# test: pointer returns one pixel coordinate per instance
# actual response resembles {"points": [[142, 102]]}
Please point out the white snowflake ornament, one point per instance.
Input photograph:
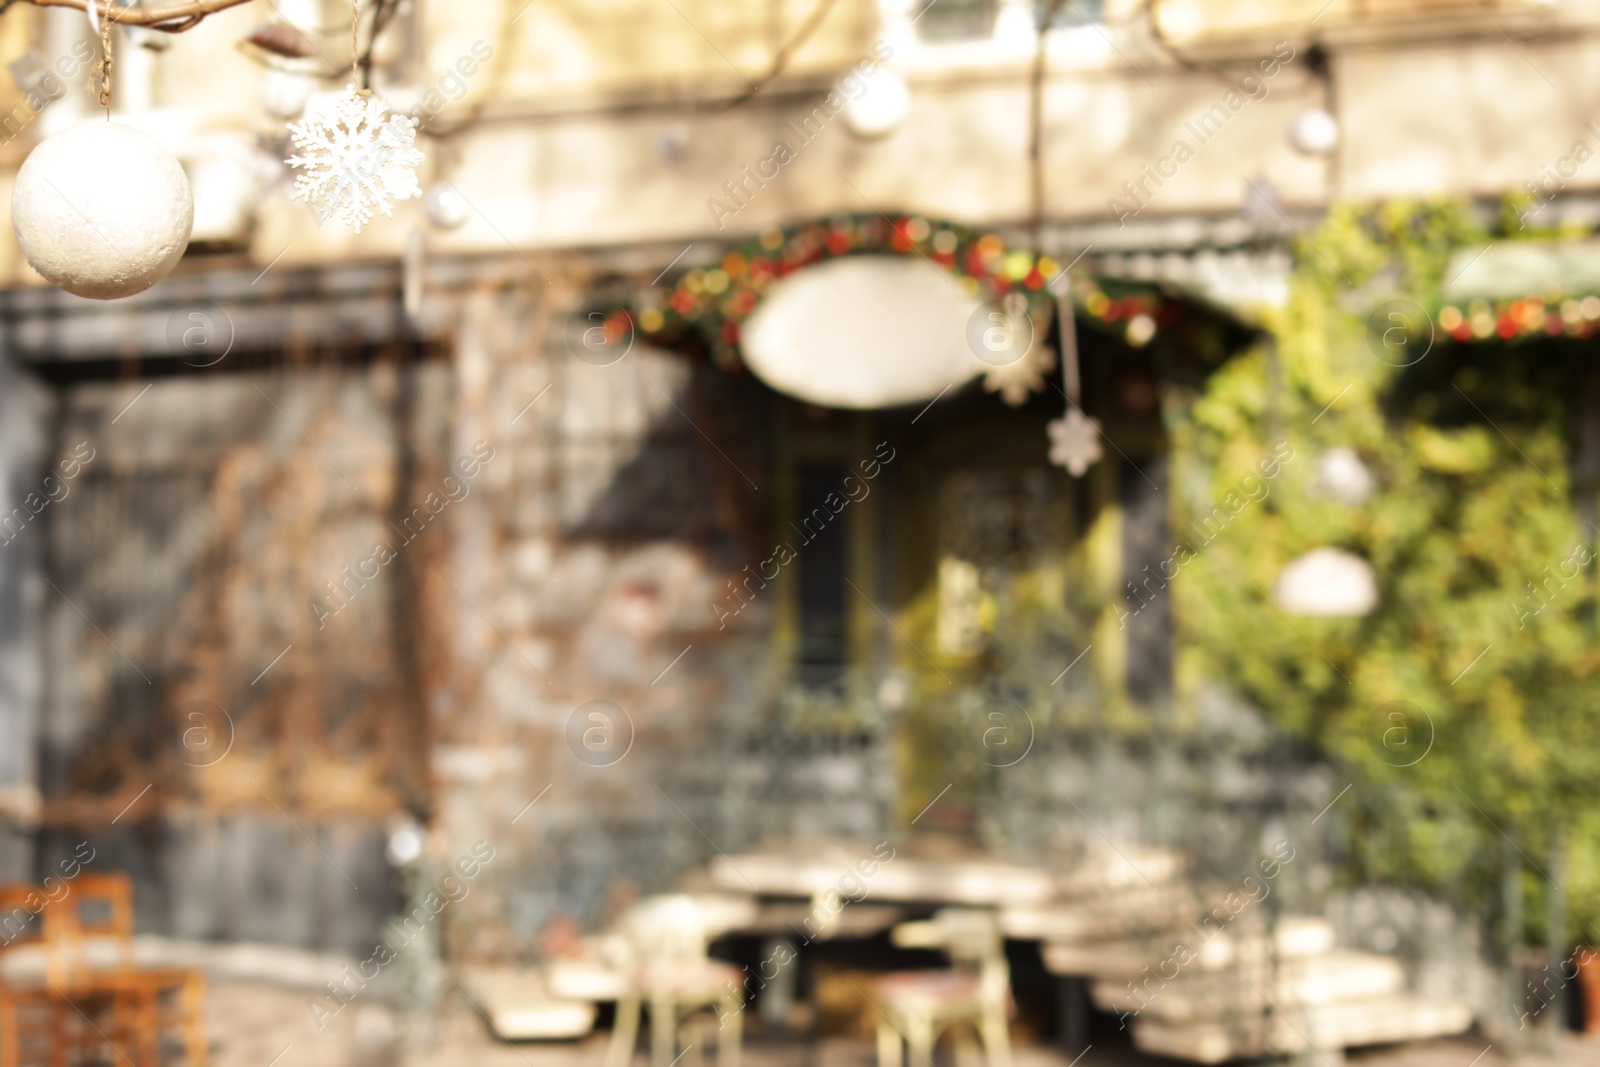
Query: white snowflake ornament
{"points": [[355, 157], [1017, 380], [1075, 442]]}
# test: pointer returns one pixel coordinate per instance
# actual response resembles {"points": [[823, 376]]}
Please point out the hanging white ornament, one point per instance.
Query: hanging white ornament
{"points": [[285, 95], [1075, 442], [1018, 380], [1341, 476], [446, 208], [1074, 438], [1314, 131], [102, 210], [1004, 335], [355, 158], [879, 107], [1327, 582]]}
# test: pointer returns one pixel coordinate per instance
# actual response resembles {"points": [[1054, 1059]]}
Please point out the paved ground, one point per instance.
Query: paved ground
{"points": [[255, 1025]]}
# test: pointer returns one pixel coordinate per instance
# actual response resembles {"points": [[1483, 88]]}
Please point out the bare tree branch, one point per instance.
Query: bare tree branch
{"points": [[173, 18]]}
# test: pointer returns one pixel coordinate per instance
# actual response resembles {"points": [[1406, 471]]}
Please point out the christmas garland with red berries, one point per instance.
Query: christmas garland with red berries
{"points": [[714, 301]]}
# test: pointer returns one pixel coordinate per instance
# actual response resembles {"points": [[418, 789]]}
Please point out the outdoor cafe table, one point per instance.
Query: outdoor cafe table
{"points": [[1096, 899], [811, 872]]}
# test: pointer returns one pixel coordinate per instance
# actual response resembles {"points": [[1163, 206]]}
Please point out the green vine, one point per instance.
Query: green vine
{"points": [[1471, 447]]}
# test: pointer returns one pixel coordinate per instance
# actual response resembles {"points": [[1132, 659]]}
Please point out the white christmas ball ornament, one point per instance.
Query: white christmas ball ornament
{"points": [[102, 210], [1314, 132], [285, 95], [879, 107], [1327, 582], [446, 208]]}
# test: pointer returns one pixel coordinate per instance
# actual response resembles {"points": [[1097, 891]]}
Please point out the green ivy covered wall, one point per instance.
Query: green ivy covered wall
{"points": [[1464, 709]]}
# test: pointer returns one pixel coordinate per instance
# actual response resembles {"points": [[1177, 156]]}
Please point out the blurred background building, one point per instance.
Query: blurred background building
{"points": [[210, 669]]}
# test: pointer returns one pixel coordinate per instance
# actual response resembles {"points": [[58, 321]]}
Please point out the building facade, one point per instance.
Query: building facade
{"points": [[362, 529]]}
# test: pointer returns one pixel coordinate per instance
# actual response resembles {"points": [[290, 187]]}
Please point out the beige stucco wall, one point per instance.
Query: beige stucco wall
{"points": [[564, 136]]}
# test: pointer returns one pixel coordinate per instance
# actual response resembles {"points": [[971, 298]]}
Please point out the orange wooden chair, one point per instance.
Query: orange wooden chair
{"points": [[35, 1016], [70, 986], [147, 1003]]}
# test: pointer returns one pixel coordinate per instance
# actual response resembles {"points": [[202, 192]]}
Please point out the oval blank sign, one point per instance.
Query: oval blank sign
{"points": [[862, 332]]}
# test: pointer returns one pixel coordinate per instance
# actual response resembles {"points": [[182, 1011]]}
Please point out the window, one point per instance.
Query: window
{"points": [[955, 20], [822, 567], [991, 523], [974, 20], [1071, 12]]}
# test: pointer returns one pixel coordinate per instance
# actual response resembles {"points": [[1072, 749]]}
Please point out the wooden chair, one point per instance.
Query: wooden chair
{"points": [[917, 1005], [69, 984], [34, 1013], [147, 1002], [665, 964]]}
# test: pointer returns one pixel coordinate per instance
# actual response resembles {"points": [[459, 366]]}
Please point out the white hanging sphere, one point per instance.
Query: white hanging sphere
{"points": [[405, 98], [284, 95], [406, 842], [1327, 582], [445, 208], [1341, 476], [880, 107], [102, 210], [1314, 132]]}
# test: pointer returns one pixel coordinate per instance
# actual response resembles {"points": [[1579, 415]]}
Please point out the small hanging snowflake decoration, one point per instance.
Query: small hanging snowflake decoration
{"points": [[356, 157], [1017, 380], [1075, 442], [1003, 338]]}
